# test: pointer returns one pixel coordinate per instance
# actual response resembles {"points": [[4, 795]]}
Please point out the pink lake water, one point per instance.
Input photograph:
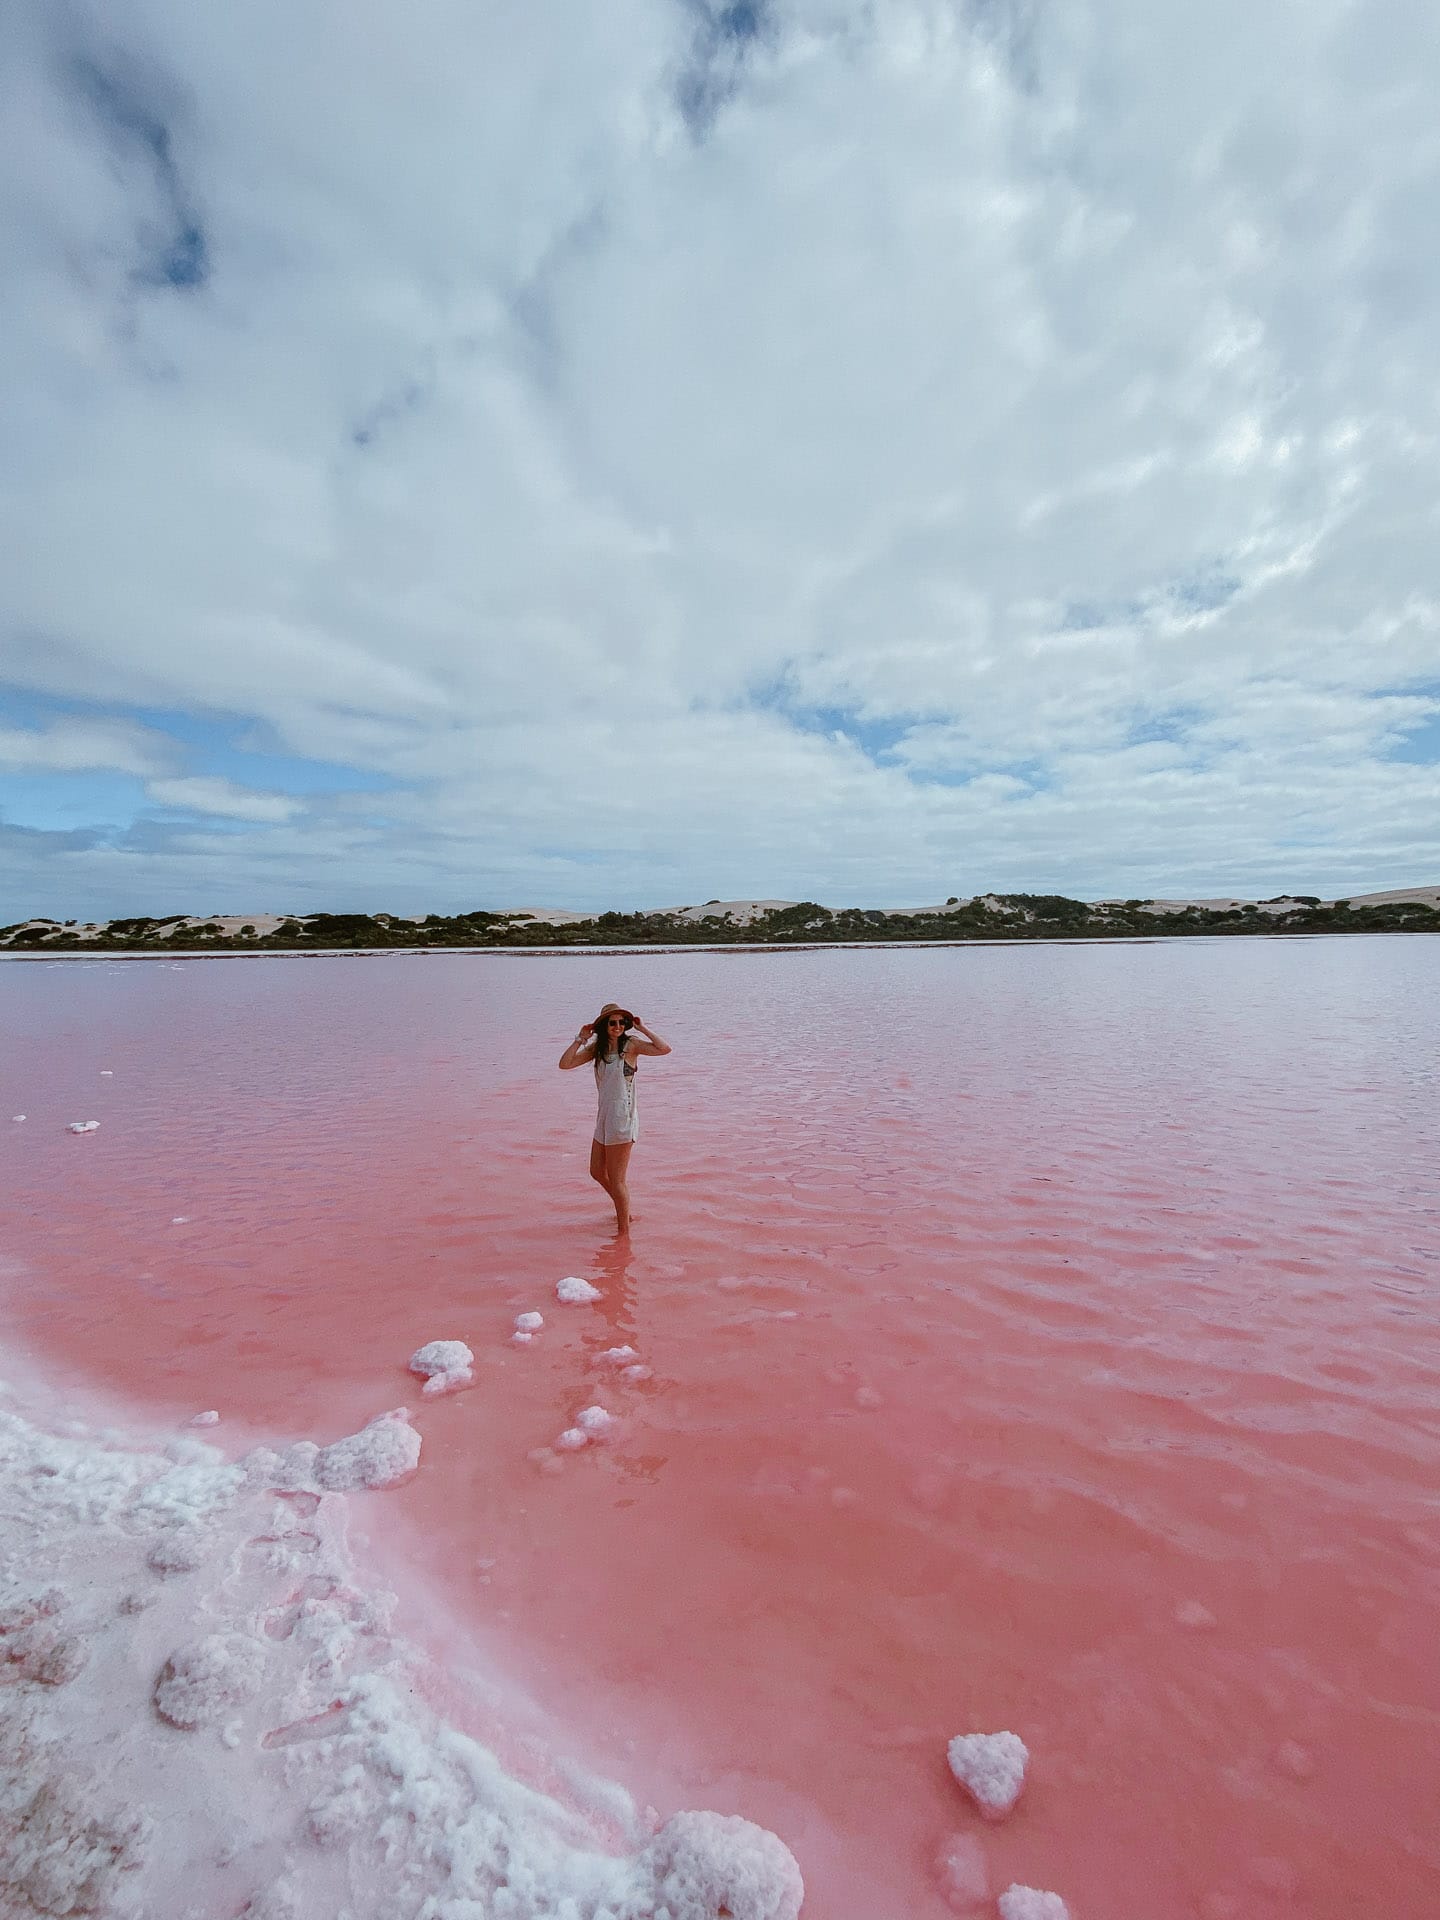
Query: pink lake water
{"points": [[1042, 1338]]}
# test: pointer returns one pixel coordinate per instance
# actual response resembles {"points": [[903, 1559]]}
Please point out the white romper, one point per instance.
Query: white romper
{"points": [[616, 1120]]}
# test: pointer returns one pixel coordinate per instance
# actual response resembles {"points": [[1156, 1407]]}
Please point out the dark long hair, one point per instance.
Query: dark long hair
{"points": [[602, 1035]]}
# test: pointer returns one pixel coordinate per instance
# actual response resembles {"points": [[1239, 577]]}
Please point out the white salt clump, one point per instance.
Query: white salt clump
{"points": [[180, 1220], [521, 1339], [572, 1439], [107, 1073], [594, 1421], [82, 1126], [202, 1684], [448, 1364], [708, 1863], [208, 1419], [380, 1454], [441, 1356], [572, 1291], [636, 1374], [1029, 1903], [529, 1322], [448, 1382], [293, 1469], [991, 1769], [616, 1357], [16, 1118]]}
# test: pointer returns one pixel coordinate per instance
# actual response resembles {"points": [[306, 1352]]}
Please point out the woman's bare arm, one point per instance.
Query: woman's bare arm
{"points": [[580, 1049], [652, 1043]]}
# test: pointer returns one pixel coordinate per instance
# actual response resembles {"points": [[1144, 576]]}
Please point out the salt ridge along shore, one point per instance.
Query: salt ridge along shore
{"points": [[991, 917], [205, 1709]]}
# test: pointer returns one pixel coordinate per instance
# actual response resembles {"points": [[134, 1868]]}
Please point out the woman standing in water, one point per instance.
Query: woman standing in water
{"points": [[610, 1045]]}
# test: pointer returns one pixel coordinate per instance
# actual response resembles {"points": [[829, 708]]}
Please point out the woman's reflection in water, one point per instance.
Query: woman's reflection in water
{"points": [[612, 1323]]}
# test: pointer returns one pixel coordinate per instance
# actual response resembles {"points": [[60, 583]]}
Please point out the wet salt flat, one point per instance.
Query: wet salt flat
{"points": [[1040, 1340]]}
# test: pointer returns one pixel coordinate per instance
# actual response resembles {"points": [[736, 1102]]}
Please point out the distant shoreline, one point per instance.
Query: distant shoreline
{"points": [[575, 950], [990, 919]]}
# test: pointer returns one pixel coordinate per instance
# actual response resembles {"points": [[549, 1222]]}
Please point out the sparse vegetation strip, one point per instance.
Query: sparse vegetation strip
{"points": [[990, 917]]}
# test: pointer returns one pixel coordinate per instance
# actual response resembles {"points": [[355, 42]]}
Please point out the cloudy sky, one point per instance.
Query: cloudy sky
{"points": [[595, 454]]}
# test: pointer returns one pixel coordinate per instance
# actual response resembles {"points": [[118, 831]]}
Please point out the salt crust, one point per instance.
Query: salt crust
{"points": [[82, 1126], [1029, 1903], [991, 1769], [616, 1357], [575, 1292], [595, 1421], [254, 1739], [381, 1454], [529, 1322]]}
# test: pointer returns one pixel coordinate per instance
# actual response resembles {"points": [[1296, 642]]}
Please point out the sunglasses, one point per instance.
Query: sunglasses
{"points": [[617, 1023]]}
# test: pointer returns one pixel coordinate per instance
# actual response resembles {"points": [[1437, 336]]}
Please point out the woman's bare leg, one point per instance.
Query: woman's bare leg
{"points": [[597, 1165], [617, 1167]]}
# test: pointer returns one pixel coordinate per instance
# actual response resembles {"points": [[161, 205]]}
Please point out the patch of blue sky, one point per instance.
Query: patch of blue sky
{"points": [[61, 802], [880, 740], [160, 825], [876, 739], [283, 773], [1034, 775], [1421, 744], [210, 743], [1172, 726]]}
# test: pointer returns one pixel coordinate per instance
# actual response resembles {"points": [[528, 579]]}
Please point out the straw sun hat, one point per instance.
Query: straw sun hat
{"points": [[613, 1006]]}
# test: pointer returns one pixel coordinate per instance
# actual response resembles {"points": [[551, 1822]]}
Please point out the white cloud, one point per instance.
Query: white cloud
{"points": [[85, 746], [202, 794], [1040, 386]]}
